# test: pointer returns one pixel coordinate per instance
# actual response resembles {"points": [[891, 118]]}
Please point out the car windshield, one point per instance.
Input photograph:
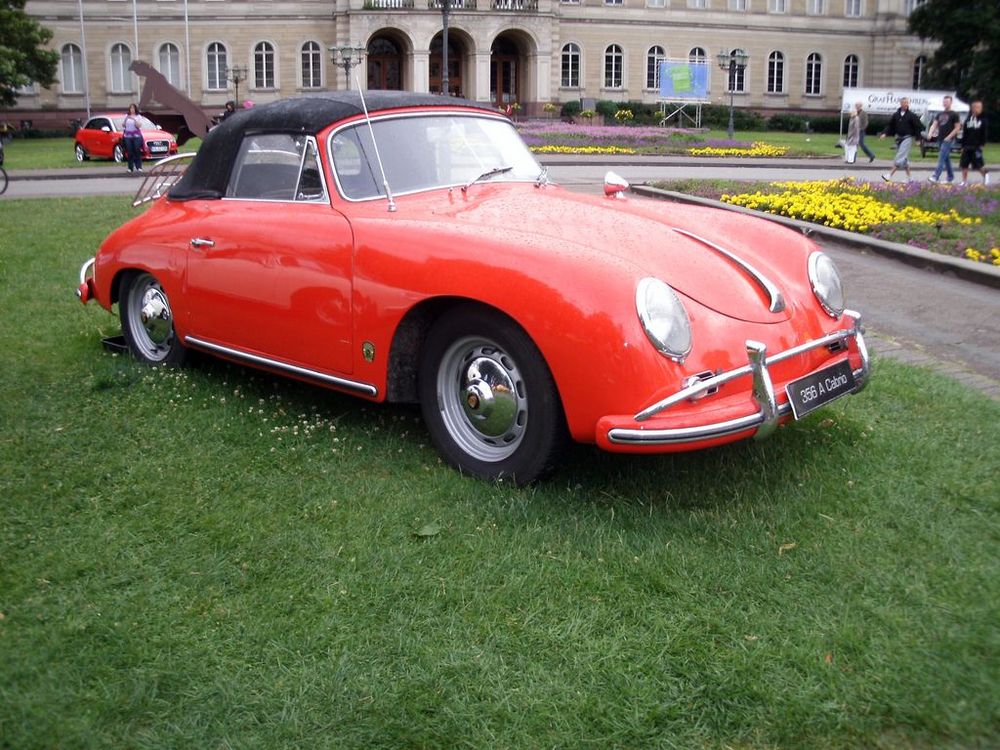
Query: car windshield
{"points": [[423, 152], [144, 123]]}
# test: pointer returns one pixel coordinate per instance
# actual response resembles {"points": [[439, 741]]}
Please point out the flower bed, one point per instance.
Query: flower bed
{"points": [[565, 138], [961, 222]]}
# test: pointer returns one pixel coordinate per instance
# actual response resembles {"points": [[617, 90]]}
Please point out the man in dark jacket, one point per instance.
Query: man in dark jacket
{"points": [[973, 141], [905, 126]]}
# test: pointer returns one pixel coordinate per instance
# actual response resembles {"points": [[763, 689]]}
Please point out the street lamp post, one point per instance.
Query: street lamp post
{"points": [[734, 63], [445, 83], [236, 74], [347, 57]]}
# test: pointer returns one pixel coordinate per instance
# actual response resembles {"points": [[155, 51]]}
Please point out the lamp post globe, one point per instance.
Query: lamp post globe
{"points": [[347, 56]]}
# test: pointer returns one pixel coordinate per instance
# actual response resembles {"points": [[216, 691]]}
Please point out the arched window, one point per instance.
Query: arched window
{"points": [[263, 65], [216, 64], [312, 66], [120, 59], [776, 73], [570, 78], [170, 63], [654, 56], [814, 74], [72, 69], [737, 75], [919, 68], [851, 67], [614, 64], [697, 54]]}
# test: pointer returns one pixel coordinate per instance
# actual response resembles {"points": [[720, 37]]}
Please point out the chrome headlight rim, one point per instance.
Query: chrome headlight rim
{"points": [[815, 283], [678, 354]]}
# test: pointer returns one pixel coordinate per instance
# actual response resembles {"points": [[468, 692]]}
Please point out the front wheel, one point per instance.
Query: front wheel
{"points": [[488, 398], [119, 153], [147, 321], [81, 155]]}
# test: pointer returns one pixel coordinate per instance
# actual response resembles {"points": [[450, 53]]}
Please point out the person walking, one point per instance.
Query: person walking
{"points": [[905, 126], [853, 138], [132, 137], [228, 111], [944, 129], [973, 142], [859, 110]]}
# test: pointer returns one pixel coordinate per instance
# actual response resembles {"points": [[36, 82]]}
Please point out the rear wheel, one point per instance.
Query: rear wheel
{"points": [[488, 398], [81, 155], [118, 154], [147, 321]]}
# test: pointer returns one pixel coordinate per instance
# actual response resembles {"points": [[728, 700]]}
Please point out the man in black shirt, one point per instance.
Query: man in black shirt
{"points": [[944, 129], [905, 126], [973, 141]]}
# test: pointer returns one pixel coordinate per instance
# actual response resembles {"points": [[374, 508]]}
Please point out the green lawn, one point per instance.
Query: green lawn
{"points": [[57, 153], [213, 557]]}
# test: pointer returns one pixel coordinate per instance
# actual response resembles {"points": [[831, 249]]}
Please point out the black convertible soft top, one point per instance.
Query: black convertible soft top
{"points": [[208, 174]]}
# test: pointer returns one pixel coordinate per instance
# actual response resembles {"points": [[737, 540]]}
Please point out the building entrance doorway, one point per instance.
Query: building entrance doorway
{"points": [[456, 64]]}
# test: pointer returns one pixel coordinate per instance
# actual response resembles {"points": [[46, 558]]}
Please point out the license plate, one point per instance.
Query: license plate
{"points": [[813, 391], [157, 149]]}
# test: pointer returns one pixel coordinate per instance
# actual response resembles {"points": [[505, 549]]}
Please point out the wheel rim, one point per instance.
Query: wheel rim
{"points": [[482, 398], [150, 319], [119, 154], [79, 153]]}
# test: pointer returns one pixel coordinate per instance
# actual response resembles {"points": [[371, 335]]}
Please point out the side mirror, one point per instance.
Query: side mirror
{"points": [[106, 129], [615, 185]]}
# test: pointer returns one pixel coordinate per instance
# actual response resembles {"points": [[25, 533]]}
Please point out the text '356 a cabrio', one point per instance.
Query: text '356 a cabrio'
{"points": [[409, 248]]}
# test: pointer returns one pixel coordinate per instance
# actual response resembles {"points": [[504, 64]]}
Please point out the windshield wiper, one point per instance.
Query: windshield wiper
{"points": [[489, 174]]}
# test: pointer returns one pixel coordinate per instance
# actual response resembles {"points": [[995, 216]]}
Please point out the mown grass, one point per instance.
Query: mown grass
{"points": [[57, 153], [213, 557]]}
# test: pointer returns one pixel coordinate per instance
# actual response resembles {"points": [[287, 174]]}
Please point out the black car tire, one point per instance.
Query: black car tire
{"points": [[81, 153], [147, 321], [118, 153], [488, 399]]}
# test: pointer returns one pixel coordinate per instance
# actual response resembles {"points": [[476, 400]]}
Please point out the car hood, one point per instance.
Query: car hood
{"points": [[724, 261], [157, 135]]}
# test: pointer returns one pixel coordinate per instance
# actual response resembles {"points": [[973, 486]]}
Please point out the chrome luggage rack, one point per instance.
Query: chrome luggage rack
{"points": [[161, 177]]}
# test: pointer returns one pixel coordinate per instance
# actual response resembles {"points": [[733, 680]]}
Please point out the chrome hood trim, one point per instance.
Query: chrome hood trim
{"points": [[777, 301]]}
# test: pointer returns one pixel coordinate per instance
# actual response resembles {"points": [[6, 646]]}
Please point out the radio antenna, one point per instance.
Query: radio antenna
{"points": [[378, 158]]}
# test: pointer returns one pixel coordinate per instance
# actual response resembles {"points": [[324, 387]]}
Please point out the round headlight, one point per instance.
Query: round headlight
{"points": [[663, 318], [826, 284]]}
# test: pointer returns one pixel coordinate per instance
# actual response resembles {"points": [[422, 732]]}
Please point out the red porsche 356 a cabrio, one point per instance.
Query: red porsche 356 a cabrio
{"points": [[409, 248]]}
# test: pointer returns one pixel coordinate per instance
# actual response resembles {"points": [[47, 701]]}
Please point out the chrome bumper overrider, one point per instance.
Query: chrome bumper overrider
{"points": [[85, 290], [768, 413]]}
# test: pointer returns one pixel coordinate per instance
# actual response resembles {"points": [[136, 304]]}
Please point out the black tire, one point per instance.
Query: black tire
{"points": [[3, 180], [488, 398], [118, 153], [147, 321], [80, 153]]}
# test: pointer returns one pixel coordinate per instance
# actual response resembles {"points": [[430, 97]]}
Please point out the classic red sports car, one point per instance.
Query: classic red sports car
{"points": [[101, 137], [419, 254]]}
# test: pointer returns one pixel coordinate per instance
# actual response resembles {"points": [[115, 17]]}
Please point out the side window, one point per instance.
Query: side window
{"points": [[355, 172], [277, 167]]}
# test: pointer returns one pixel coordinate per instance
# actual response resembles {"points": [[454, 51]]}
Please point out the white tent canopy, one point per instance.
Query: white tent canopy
{"points": [[886, 101]]}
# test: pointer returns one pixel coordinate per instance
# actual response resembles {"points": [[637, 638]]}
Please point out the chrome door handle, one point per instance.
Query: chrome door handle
{"points": [[200, 242]]}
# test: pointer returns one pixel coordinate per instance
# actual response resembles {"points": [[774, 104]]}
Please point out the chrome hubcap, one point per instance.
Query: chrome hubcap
{"points": [[150, 318], [482, 399]]}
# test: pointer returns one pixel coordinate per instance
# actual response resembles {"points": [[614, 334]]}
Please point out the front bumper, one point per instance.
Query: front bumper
{"points": [[767, 412], [85, 291]]}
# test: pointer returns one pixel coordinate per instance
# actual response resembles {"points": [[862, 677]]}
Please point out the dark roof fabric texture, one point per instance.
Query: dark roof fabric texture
{"points": [[208, 174]]}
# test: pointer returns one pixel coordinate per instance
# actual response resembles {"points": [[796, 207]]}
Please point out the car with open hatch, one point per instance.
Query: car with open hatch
{"points": [[102, 137], [409, 248]]}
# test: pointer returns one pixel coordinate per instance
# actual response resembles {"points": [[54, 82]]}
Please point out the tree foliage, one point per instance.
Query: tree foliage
{"points": [[968, 57], [24, 58]]}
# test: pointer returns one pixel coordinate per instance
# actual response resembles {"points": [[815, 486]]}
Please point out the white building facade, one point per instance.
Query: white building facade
{"points": [[803, 53]]}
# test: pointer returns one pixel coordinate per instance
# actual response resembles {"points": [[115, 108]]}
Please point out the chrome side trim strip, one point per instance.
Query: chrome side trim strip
{"points": [[350, 385], [777, 302]]}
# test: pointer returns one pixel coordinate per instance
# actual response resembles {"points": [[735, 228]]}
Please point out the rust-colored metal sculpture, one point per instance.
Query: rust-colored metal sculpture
{"points": [[190, 121]]}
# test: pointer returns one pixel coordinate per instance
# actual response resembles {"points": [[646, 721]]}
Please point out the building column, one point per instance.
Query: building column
{"points": [[479, 90], [420, 72]]}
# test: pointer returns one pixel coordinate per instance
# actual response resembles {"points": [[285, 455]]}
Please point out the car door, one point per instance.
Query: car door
{"points": [[269, 269], [91, 136]]}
